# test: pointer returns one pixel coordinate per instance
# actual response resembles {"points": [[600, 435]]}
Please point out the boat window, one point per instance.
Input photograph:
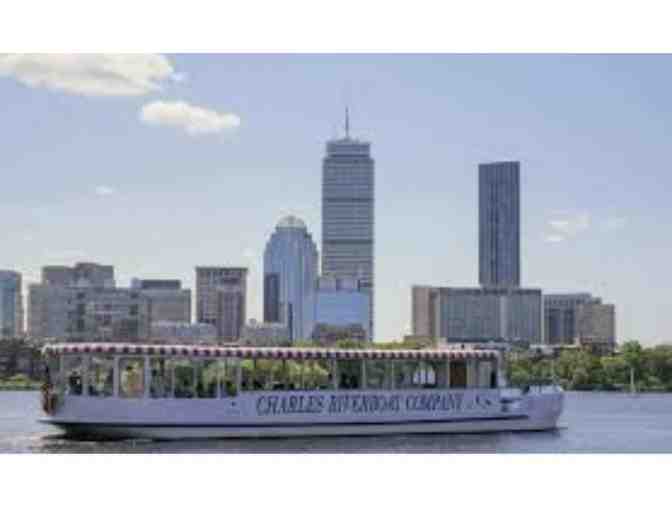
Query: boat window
{"points": [[74, 368], [131, 377], [227, 377], [494, 383], [405, 374], [458, 374], [350, 374], [206, 379], [246, 375], [375, 374], [484, 371], [162, 378], [101, 376], [294, 373], [440, 373], [316, 375], [328, 377], [185, 378], [424, 376], [268, 374]]}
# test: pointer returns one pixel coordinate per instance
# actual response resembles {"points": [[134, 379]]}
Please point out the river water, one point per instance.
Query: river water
{"points": [[591, 423]]}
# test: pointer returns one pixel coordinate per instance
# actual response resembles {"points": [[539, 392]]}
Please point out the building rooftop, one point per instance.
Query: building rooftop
{"points": [[291, 221]]}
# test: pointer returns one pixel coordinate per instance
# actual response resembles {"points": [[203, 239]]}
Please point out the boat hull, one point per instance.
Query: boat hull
{"points": [[177, 432], [532, 412]]}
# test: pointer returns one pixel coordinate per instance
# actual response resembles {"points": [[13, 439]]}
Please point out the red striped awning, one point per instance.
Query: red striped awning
{"points": [[266, 352]]}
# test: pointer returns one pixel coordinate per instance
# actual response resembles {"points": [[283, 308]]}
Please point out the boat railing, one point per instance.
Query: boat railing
{"points": [[534, 387]]}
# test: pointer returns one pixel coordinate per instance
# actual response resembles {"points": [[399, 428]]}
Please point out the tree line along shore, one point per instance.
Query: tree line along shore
{"points": [[632, 367]]}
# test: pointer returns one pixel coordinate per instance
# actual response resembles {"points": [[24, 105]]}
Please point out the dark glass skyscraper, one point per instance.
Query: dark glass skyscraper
{"points": [[499, 224]]}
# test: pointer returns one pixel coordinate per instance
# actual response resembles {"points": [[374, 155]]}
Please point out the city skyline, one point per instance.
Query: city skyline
{"points": [[159, 201]]}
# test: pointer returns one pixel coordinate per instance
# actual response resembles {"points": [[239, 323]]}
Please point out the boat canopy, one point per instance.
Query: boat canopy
{"points": [[264, 352]]}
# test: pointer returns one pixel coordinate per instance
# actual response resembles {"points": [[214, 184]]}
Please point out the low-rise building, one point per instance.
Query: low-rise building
{"points": [[560, 316], [221, 299], [88, 314], [265, 334], [596, 326], [329, 334], [477, 314], [341, 305], [168, 301], [579, 319], [175, 332]]}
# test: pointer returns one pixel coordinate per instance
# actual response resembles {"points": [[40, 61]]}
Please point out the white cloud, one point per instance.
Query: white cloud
{"points": [[180, 77], [616, 223], [91, 75], [571, 225], [554, 238], [104, 191], [565, 225], [64, 255], [193, 119]]}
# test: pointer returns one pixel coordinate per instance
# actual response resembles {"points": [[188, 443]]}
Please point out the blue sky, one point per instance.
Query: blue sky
{"points": [[157, 164]]}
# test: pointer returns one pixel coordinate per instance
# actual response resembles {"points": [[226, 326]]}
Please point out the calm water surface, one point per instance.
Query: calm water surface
{"points": [[591, 423]]}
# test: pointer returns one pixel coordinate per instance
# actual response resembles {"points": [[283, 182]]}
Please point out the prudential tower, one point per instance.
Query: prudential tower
{"points": [[348, 212]]}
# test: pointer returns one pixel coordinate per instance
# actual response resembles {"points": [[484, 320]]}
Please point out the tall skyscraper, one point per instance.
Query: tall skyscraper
{"points": [[348, 212], [499, 224], [290, 275], [11, 305], [221, 296]]}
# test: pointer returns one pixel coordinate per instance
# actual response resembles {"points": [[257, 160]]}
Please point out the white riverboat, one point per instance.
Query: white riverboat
{"points": [[179, 392]]}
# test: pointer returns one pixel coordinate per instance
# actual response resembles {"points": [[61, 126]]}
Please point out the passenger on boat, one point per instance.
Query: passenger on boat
{"points": [[132, 382], [158, 389], [75, 383]]}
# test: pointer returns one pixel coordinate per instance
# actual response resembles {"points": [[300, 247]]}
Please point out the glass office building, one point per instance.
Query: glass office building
{"points": [[11, 305], [290, 273]]}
